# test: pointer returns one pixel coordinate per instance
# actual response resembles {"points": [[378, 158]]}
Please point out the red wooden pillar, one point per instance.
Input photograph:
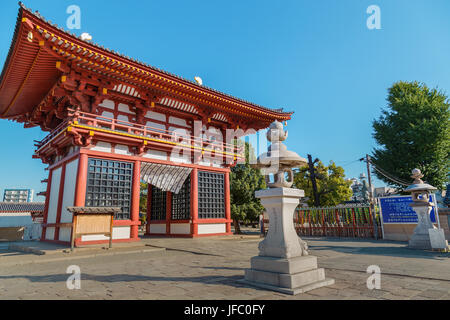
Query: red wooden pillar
{"points": [[81, 184], [194, 201], [60, 201], [135, 195], [149, 212], [47, 201], [80, 188], [227, 202]]}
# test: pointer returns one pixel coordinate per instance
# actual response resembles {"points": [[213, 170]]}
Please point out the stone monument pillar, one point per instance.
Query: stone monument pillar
{"points": [[283, 263], [422, 206]]}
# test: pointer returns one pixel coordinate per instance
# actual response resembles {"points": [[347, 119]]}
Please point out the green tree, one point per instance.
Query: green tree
{"points": [[244, 181], [332, 187], [143, 203], [413, 132]]}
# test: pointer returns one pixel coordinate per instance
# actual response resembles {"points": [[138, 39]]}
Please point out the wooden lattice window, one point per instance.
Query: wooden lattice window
{"points": [[181, 202], [109, 185], [158, 204], [211, 195]]}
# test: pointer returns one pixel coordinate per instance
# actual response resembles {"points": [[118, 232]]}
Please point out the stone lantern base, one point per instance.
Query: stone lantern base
{"points": [[291, 276], [284, 264], [421, 237], [420, 241]]}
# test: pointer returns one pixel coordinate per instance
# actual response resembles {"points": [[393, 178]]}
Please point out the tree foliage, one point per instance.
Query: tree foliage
{"points": [[143, 203], [413, 132], [332, 187], [244, 181]]}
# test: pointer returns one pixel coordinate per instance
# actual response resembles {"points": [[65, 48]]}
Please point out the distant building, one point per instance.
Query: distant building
{"points": [[384, 192], [18, 195], [360, 189], [21, 221]]}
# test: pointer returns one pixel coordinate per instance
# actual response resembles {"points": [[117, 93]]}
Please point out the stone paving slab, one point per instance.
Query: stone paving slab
{"points": [[211, 268], [48, 248]]}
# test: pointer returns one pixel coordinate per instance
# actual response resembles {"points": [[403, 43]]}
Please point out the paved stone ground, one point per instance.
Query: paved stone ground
{"points": [[210, 268]]}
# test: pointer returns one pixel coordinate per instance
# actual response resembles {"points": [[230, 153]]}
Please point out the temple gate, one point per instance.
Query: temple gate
{"points": [[114, 122]]}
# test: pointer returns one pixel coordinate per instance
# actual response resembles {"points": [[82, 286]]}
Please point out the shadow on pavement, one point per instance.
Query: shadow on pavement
{"points": [[219, 280], [383, 248]]}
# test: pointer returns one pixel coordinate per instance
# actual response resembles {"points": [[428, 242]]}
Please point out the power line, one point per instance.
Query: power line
{"points": [[391, 176], [386, 174], [392, 179], [347, 163]]}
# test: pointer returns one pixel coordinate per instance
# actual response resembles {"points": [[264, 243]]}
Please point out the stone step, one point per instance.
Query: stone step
{"points": [[285, 280], [289, 266], [294, 291], [302, 279]]}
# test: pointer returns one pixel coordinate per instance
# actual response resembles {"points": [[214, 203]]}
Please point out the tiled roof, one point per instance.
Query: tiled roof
{"points": [[113, 52], [94, 210], [22, 206]]}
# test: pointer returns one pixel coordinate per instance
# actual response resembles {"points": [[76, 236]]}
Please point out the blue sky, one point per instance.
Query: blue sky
{"points": [[317, 58]]}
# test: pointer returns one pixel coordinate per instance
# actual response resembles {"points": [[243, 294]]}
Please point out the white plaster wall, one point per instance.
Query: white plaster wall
{"points": [[107, 104], [212, 228], [155, 154], [158, 228], [217, 164], [121, 117], [50, 234], [155, 126], [180, 156], [15, 219], [178, 121], [122, 149], [156, 116], [107, 115], [54, 195], [180, 228], [118, 233], [64, 234], [204, 162], [102, 146], [180, 132], [124, 108], [69, 190]]}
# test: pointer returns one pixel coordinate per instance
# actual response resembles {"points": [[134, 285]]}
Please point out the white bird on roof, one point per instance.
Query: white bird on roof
{"points": [[86, 36], [199, 80]]}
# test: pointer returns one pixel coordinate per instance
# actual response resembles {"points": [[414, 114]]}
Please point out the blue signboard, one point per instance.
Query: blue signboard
{"points": [[397, 210]]}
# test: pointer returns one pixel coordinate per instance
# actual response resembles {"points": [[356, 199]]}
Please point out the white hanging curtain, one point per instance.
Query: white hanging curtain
{"points": [[164, 177]]}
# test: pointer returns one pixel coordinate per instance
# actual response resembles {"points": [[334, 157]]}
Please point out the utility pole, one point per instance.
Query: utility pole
{"points": [[372, 200], [312, 175]]}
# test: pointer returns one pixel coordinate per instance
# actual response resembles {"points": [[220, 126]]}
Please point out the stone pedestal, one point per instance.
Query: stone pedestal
{"points": [[284, 264], [421, 237]]}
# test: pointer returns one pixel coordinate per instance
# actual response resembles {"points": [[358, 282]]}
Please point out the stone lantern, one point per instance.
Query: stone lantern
{"points": [[422, 206], [283, 263]]}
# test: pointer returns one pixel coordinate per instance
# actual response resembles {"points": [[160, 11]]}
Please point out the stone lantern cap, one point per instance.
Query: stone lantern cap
{"points": [[278, 160], [418, 184], [278, 152]]}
